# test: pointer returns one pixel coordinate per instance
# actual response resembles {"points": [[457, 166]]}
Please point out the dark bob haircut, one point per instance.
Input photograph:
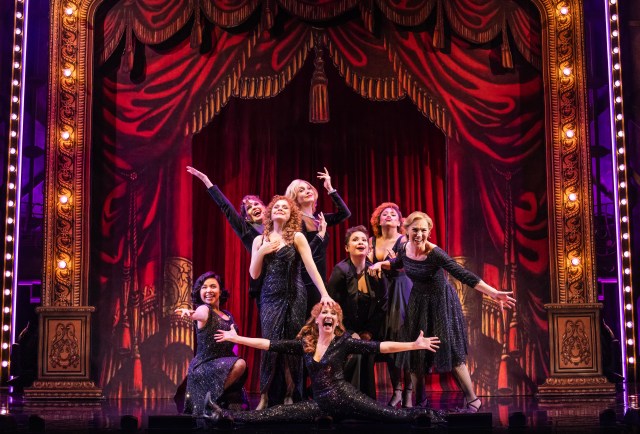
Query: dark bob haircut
{"points": [[195, 292]]}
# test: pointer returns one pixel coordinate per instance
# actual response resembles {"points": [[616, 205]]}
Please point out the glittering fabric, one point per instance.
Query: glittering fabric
{"points": [[434, 307], [398, 287], [332, 395], [283, 301], [211, 365]]}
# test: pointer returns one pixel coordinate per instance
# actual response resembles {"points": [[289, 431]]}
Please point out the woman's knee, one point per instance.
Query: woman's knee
{"points": [[239, 366]]}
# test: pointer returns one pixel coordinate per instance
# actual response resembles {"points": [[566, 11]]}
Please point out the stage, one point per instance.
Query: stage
{"points": [[498, 414]]}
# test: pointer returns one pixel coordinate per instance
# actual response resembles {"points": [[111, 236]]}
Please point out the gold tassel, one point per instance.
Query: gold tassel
{"points": [[507, 59], [319, 95], [196, 31], [438, 33], [269, 11]]}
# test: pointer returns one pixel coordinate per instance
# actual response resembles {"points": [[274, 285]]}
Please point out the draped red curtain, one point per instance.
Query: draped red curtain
{"points": [[375, 152], [165, 73]]}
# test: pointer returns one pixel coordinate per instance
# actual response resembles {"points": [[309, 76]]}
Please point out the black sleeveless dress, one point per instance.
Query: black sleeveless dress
{"points": [[211, 365], [283, 301]]}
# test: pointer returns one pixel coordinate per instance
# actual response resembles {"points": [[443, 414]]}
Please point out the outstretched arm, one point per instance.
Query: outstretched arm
{"points": [[201, 176], [302, 246], [422, 343], [232, 336]]}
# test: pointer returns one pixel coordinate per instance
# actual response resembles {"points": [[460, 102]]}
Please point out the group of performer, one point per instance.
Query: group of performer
{"points": [[383, 298]]}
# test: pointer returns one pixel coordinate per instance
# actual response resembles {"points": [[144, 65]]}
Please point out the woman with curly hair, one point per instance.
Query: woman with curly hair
{"points": [[277, 257], [324, 345], [215, 369], [386, 223]]}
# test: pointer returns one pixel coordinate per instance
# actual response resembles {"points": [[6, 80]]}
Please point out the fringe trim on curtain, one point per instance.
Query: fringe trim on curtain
{"points": [[534, 60], [228, 19], [427, 104], [110, 46], [151, 36], [196, 30], [308, 11], [473, 36], [270, 86], [372, 88], [367, 14], [269, 12], [406, 20], [218, 97]]}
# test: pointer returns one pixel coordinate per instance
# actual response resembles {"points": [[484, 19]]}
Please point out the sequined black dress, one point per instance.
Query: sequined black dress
{"points": [[283, 301], [398, 287], [211, 365], [332, 395], [434, 307]]}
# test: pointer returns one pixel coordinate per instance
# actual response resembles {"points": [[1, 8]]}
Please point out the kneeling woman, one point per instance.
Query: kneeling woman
{"points": [[325, 346], [215, 370]]}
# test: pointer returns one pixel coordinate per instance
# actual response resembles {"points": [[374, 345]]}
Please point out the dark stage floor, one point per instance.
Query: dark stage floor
{"points": [[527, 414]]}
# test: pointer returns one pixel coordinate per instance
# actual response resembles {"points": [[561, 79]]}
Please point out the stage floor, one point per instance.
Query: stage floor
{"points": [[601, 415]]}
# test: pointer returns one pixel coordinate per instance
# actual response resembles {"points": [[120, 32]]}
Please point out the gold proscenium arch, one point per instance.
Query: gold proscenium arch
{"points": [[66, 235]]}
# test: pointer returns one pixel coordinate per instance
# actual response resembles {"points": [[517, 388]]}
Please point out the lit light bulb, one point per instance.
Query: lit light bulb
{"points": [[621, 167], [9, 238], [616, 66], [575, 262], [620, 150], [5, 363], [566, 71], [66, 72], [625, 236], [8, 256], [14, 133], [573, 197], [19, 15], [15, 82], [627, 289], [12, 151], [14, 116], [629, 341], [623, 185], [7, 292], [10, 220], [615, 50], [16, 48], [11, 186], [5, 328], [10, 203], [62, 265], [619, 116], [623, 201], [5, 346], [631, 360], [65, 135], [12, 168], [618, 99], [629, 324], [616, 83], [570, 133], [18, 31], [614, 33], [15, 99], [613, 2], [16, 65], [627, 271], [7, 310], [7, 273], [68, 11], [564, 10], [614, 17], [64, 199], [628, 306], [626, 254]]}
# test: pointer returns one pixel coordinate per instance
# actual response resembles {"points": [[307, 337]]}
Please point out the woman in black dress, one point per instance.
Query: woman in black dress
{"points": [[325, 346], [386, 223], [364, 299], [314, 225], [276, 260], [215, 370], [434, 306]]}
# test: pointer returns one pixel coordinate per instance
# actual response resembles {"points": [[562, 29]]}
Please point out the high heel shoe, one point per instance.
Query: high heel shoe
{"points": [[473, 408], [214, 415], [396, 398], [407, 398]]}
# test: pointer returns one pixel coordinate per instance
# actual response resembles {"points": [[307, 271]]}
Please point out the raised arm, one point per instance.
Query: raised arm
{"points": [[302, 246], [258, 252], [343, 212], [422, 343]]}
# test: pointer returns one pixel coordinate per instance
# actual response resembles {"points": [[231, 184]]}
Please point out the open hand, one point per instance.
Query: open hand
{"points": [[327, 300], [429, 344], [184, 312], [327, 179], [226, 335], [375, 270], [201, 176], [269, 247], [505, 298]]}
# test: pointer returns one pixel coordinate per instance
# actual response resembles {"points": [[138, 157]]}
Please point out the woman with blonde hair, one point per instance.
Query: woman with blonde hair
{"points": [[314, 224], [434, 306], [324, 345], [276, 259]]}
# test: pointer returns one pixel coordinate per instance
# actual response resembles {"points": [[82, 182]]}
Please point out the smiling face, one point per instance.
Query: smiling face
{"points": [[418, 232], [305, 194], [255, 210], [327, 320], [358, 244], [210, 292], [281, 211]]}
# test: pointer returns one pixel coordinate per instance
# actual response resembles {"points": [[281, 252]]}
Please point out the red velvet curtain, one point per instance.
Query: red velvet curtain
{"points": [[178, 69], [375, 152]]}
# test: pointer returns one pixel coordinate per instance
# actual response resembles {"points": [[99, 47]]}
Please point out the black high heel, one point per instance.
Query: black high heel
{"points": [[472, 408], [396, 398]]}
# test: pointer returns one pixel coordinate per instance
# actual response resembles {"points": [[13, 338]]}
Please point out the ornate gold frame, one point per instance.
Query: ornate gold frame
{"points": [[573, 295]]}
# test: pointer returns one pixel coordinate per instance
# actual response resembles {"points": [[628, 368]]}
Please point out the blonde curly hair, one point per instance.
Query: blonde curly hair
{"points": [[290, 227], [309, 332], [375, 218]]}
